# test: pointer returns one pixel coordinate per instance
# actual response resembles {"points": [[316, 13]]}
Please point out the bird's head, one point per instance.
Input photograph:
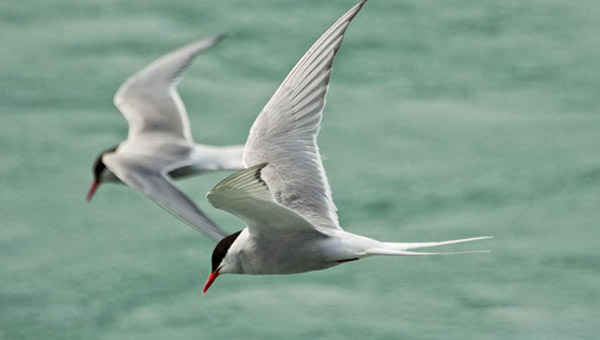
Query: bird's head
{"points": [[223, 260], [100, 172]]}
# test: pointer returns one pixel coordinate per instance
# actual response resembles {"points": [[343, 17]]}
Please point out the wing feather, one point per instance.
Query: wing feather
{"points": [[245, 195], [285, 132], [138, 173], [149, 99]]}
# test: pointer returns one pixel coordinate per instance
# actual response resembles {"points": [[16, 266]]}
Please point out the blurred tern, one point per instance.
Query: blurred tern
{"points": [[159, 144], [284, 196]]}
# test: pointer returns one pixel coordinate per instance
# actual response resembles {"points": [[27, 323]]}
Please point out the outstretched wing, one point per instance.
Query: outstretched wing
{"points": [[285, 132], [139, 174], [246, 195], [149, 99]]}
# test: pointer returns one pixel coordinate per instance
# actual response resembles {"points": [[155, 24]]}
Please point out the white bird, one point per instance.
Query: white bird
{"points": [[159, 143], [284, 196]]}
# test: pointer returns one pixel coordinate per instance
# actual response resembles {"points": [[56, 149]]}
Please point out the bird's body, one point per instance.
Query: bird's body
{"points": [[284, 196], [298, 253], [159, 145], [183, 159], [178, 160]]}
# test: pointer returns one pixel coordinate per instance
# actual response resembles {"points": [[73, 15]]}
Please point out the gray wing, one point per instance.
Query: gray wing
{"points": [[285, 132], [141, 174], [245, 195], [149, 99]]}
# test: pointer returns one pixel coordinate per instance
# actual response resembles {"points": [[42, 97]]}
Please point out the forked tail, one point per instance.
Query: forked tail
{"points": [[396, 248]]}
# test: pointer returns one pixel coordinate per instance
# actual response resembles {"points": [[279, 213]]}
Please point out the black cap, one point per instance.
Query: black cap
{"points": [[221, 249], [99, 166]]}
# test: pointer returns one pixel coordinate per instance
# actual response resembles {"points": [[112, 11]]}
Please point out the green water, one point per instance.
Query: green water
{"points": [[445, 119]]}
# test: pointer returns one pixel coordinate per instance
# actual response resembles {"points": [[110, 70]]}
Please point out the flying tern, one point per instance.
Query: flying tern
{"points": [[284, 196], [159, 145]]}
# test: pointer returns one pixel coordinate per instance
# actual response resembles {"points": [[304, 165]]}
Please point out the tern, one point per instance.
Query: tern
{"points": [[159, 145], [284, 196]]}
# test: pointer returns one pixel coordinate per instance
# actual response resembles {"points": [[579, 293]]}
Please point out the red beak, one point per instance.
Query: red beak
{"points": [[93, 188], [211, 278]]}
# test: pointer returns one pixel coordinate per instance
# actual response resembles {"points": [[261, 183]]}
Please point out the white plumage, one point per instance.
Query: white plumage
{"points": [[159, 144], [284, 196]]}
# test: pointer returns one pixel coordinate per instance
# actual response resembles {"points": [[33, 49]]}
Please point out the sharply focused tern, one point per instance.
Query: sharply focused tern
{"points": [[159, 144], [284, 196]]}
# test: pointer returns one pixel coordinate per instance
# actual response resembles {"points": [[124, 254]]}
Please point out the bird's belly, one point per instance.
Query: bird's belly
{"points": [[288, 263], [269, 258]]}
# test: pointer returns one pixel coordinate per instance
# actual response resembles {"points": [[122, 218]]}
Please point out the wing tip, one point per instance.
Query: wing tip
{"points": [[356, 8], [217, 38], [200, 45], [361, 3]]}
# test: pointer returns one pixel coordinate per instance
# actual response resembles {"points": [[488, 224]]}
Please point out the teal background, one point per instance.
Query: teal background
{"points": [[445, 119]]}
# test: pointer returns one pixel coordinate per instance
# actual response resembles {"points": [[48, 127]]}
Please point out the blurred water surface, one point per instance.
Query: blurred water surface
{"points": [[445, 119]]}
